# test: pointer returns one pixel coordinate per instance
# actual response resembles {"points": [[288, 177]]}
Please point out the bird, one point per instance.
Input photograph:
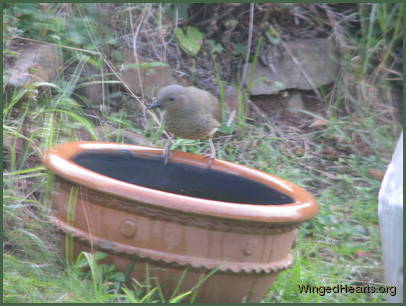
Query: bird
{"points": [[189, 112]]}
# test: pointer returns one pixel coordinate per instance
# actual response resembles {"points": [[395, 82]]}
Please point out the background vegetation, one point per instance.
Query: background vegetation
{"points": [[341, 161]]}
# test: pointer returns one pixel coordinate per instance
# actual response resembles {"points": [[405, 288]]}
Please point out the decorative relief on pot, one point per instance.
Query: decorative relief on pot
{"points": [[187, 219], [128, 228], [249, 246], [196, 221], [172, 235]]}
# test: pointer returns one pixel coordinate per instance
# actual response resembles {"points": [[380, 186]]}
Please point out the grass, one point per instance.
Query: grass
{"points": [[339, 246]]}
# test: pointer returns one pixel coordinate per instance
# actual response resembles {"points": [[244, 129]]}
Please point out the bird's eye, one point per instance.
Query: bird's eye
{"points": [[171, 98]]}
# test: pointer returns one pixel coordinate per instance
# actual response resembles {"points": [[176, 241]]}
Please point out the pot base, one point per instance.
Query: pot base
{"points": [[219, 287]]}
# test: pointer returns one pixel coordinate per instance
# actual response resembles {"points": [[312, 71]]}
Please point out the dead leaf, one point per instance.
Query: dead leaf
{"points": [[376, 174], [318, 123], [330, 153], [299, 151], [361, 253]]}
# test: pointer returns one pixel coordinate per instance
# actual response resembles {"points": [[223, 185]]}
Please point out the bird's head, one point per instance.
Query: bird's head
{"points": [[171, 98]]}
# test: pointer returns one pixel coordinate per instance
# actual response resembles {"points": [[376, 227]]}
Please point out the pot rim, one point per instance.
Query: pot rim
{"points": [[58, 160]]}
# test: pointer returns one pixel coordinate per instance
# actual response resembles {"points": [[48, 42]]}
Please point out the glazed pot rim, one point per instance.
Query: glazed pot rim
{"points": [[58, 159]]}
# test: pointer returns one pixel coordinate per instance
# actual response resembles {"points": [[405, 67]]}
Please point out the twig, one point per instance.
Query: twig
{"points": [[118, 76], [297, 63], [326, 174], [176, 15], [99, 53], [215, 18], [161, 36], [337, 29], [134, 44], [265, 118], [52, 44], [247, 56], [152, 114], [101, 68], [135, 53]]}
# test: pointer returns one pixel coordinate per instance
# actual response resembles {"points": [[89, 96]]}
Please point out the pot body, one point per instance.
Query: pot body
{"points": [[178, 245]]}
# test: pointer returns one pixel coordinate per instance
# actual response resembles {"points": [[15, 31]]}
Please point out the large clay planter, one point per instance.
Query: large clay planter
{"points": [[237, 220]]}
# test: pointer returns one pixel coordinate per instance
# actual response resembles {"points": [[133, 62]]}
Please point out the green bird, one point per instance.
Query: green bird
{"points": [[189, 112]]}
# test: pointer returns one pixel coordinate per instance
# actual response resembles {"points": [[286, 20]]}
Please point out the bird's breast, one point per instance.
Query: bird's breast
{"points": [[191, 127]]}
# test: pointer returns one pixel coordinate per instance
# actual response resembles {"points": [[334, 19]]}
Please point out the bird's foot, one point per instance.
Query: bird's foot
{"points": [[167, 150], [211, 156], [166, 155]]}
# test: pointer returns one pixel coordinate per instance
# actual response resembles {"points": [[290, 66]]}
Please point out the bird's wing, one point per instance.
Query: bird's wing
{"points": [[210, 103]]}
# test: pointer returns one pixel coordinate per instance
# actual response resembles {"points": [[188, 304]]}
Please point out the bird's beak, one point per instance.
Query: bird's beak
{"points": [[154, 104]]}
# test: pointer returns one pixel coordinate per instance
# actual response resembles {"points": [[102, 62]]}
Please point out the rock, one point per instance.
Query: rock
{"points": [[147, 78], [292, 103], [231, 98], [108, 15], [35, 63], [318, 57], [89, 89]]}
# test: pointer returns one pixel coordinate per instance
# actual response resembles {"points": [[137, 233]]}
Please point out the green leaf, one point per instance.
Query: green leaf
{"points": [[191, 42], [10, 52], [178, 298], [240, 49], [214, 47], [176, 10], [118, 277], [273, 35], [100, 255], [146, 65]]}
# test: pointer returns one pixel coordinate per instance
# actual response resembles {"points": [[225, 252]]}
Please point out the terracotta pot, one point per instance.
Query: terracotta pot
{"points": [[178, 217]]}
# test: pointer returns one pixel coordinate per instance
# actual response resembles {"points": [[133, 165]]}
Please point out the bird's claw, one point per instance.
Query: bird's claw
{"points": [[167, 150], [212, 154], [166, 156], [211, 157]]}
